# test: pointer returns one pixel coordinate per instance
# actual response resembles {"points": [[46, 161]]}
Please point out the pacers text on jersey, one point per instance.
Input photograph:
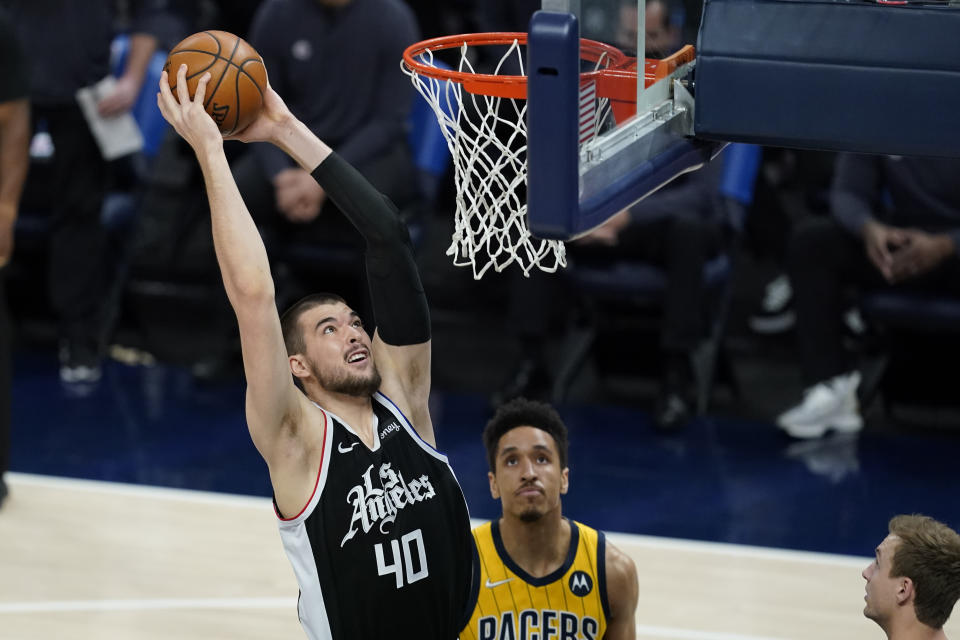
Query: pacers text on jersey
{"points": [[533, 623], [372, 505]]}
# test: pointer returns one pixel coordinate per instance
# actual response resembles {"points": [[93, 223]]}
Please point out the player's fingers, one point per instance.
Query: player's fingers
{"points": [[165, 98], [183, 93], [201, 89]]}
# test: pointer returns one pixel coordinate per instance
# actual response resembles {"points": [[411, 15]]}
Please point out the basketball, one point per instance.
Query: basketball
{"points": [[238, 79]]}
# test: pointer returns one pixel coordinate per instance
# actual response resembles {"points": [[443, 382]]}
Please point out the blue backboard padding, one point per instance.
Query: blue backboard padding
{"points": [[680, 157], [591, 212], [840, 76], [554, 207], [553, 67]]}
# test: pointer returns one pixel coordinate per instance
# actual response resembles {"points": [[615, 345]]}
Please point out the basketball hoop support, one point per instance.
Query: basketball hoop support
{"points": [[569, 189]]}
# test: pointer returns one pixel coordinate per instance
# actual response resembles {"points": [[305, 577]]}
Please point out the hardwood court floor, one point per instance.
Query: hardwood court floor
{"points": [[86, 559]]}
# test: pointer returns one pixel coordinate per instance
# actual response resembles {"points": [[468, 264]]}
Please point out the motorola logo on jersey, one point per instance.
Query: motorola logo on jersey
{"points": [[580, 583], [372, 505], [532, 624]]}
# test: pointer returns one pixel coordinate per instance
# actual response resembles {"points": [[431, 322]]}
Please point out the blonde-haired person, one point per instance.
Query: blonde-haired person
{"points": [[914, 581]]}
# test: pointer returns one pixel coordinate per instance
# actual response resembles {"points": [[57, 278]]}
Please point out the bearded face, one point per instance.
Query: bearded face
{"points": [[352, 383]]}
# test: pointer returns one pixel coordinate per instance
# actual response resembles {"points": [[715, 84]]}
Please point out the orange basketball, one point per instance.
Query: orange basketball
{"points": [[238, 79]]}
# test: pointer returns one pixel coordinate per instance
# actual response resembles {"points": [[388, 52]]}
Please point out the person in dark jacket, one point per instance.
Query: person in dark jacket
{"points": [[895, 224], [67, 47]]}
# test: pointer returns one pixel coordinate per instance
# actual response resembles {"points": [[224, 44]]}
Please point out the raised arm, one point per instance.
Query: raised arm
{"points": [[401, 344], [274, 406], [622, 594]]}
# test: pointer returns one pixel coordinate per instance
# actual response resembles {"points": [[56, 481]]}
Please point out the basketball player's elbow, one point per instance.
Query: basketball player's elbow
{"points": [[250, 286], [389, 234]]}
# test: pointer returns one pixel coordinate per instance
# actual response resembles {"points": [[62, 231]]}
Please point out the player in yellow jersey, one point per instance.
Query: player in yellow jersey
{"points": [[543, 576]]}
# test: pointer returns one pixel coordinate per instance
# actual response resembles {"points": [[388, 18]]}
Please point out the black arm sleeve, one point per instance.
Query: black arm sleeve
{"points": [[399, 302]]}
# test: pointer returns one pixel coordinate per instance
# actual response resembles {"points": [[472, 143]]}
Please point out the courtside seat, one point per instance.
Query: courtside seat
{"points": [[627, 279], [644, 285], [911, 330], [912, 310]]}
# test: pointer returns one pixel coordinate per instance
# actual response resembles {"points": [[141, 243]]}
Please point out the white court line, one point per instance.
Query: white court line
{"points": [[739, 550], [645, 631], [230, 499], [140, 491], [167, 604], [151, 604]]}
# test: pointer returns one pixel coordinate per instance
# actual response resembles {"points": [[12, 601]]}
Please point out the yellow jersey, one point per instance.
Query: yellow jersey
{"points": [[569, 604]]}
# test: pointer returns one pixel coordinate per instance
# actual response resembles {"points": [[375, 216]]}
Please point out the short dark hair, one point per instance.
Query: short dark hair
{"points": [[521, 412], [928, 554], [290, 320]]}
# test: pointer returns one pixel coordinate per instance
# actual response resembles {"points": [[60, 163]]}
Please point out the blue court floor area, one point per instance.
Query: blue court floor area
{"points": [[722, 479]]}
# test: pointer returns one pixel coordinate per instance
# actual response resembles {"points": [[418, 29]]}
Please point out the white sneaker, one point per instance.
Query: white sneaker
{"points": [[831, 404]]}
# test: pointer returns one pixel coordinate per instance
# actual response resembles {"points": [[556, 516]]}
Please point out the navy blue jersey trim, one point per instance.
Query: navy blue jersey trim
{"points": [[602, 572], [413, 429], [523, 575]]}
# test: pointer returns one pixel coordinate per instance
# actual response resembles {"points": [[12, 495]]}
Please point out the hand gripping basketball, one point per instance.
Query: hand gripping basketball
{"points": [[187, 115], [238, 79]]}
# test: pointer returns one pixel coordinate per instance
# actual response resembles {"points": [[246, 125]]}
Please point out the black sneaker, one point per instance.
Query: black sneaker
{"points": [[776, 314], [3, 491]]}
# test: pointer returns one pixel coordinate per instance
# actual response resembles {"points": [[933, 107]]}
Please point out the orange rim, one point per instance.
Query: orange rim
{"points": [[503, 86]]}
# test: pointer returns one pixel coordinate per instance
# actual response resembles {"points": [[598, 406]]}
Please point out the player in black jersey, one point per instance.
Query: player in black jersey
{"points": [[371, 515]]}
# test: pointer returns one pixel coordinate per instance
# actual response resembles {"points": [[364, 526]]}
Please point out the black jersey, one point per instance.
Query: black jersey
{"points": [[383, 548]]}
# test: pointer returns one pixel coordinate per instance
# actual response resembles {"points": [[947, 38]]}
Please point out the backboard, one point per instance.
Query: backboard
{"points": [[596, 148]]}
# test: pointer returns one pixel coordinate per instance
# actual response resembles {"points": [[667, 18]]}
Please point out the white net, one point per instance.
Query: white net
{"points": [[487, 137]]}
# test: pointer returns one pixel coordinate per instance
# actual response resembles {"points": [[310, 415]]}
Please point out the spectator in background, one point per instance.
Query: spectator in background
{"points": [[337, 64], [67, 47], [508, 15], [662, 32], [914, 582], [447, 17], [895, 224], [234, 16], [14, 152], [678, 228], [796, 185]]}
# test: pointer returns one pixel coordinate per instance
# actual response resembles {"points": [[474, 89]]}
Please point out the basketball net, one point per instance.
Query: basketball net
{"points": [[487, 137]]}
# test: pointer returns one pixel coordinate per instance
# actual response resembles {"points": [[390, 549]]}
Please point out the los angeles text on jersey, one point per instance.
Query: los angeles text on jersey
{"points": [[537, 624], [380, 504]]}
